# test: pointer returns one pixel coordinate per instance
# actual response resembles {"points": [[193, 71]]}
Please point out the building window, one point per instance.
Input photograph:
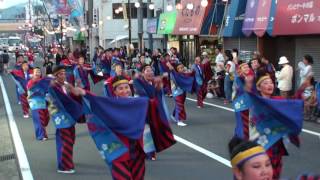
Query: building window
{"points": [[134, 11]]}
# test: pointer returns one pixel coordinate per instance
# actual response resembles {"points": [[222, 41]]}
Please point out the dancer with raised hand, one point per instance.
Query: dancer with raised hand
{"points": [[183, 83], [64, 112]]}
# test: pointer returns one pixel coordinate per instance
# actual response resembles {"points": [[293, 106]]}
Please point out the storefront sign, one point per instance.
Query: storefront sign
{"points": [[189, 20], [297, 17], [166, 22], [262, 18], [152, 25], [250, 17], [234, 18]]}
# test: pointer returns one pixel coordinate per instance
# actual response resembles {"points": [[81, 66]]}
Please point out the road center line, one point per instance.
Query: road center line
{"points": [[230, 109], [21, 154], [203, 151]]}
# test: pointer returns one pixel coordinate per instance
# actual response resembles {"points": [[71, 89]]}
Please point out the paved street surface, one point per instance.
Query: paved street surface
{"points": [[209, 128]]}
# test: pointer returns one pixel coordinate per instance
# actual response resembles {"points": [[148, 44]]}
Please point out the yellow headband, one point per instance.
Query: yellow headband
{"points": [[262, 79], [246, 155], [122, 81]]}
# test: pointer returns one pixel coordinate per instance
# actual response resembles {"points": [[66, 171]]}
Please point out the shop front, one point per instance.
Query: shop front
{"points": [[233, 35], [274, 28], [300, 21]]}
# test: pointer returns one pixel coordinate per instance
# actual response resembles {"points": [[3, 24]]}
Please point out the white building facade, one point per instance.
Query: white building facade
{"points": [[111, 26]]}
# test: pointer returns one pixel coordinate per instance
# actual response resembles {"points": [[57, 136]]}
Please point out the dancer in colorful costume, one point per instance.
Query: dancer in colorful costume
{"points": [[64, 113], [21, 78], [149, 86], [183, 82], [37, 89]]}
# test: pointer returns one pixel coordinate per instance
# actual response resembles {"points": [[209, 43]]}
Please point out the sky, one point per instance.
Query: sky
{"points": [[8, 3]]}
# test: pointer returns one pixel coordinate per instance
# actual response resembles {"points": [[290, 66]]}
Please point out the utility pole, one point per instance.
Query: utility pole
{"points": [[129, 27], [140, 26], [149, 15], [61, 31]]}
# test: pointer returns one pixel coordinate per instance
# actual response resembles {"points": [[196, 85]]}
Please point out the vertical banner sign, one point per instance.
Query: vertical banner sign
{"points": [[152, 26], [166, 22], [262, 18], [234, 19], [189, 20], [272, 15], [297, 17], [250, 17]]}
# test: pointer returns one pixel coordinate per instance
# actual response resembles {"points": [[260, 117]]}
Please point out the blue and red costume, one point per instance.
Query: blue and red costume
{"points": [[157, 118], [203, 74], [105, 66], [69, 66], [184, 82], [119, 138], [21, 79], [64, 112], [38, 106]]}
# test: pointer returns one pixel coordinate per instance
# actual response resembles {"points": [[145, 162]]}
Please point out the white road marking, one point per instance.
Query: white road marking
{"points": [[203, 151], [24, 166], [230, 109]]}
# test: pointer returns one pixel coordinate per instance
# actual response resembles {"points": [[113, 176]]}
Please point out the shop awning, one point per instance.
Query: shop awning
{"points": [[234, 19], [213, 17], [262, 17], [167, 22], [152, 25], [297, 17], [189, 21], [250, 17]]}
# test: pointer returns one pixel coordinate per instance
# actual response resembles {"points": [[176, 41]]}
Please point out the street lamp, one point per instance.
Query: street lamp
{"points": [[137, 4], [204, 3], [190, 6], [151, 6], [169, 7]]}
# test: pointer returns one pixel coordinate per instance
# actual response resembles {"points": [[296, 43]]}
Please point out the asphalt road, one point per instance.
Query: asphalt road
{"points": [[210, 128]]}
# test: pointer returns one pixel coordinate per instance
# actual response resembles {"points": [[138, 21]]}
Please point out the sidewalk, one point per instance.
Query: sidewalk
{"points": [[8, 165]]}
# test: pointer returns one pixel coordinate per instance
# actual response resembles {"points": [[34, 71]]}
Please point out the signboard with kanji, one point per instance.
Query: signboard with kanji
{"points": [[297, 17]]}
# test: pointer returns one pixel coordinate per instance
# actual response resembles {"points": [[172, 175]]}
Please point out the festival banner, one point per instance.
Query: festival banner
{"points": [[250, 17], [262, 17]]}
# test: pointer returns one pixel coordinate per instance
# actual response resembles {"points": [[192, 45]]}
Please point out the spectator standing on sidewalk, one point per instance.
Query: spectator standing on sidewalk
{"points": [[305, 68], [229, 77], [220, 69], [284, 77], [5, 60]]}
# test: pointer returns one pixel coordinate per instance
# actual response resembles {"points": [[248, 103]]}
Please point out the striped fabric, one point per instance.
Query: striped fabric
{"points": [[65, 140], [133, 169], [24, 104], [245, 121], [275, 154], [201, 94], [179, 111], [161, 132]]}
